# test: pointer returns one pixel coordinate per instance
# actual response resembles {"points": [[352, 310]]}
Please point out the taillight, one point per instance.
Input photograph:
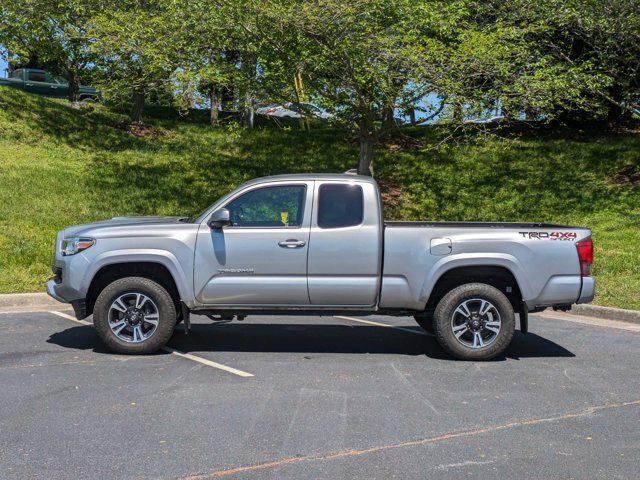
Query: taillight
{"points": [[585, 255]]}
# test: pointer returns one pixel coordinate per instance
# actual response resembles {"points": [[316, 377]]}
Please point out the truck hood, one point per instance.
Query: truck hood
{"points": [[77, 230], [87, 89]]}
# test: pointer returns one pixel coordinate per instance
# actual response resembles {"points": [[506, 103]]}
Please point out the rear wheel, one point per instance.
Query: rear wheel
{"points": [[134, 315], [474, 321]]}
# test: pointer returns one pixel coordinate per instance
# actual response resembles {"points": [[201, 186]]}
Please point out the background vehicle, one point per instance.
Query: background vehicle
{"points": [[317, 244], [34, 80], [294, 110]]}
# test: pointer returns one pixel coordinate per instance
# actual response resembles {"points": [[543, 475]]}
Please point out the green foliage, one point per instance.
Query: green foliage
{"points": [[135, 47], [50, 35], [63, 166]]}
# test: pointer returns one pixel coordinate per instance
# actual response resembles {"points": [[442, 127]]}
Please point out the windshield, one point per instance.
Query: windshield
{"points": [[59, 79]]}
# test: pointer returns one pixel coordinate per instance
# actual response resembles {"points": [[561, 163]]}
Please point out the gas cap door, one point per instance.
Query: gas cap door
{"points": [[441, 246]]}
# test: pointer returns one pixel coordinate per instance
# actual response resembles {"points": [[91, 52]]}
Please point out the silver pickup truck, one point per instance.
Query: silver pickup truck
{"points": [[317, 244]]}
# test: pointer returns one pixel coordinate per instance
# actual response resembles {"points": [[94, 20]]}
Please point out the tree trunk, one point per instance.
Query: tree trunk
{"points": [[10, 66], [412, 116], [249, 113], [215, 103], [388, 117], [137, 107], [367, 138], [616, 114], [74, 87]]}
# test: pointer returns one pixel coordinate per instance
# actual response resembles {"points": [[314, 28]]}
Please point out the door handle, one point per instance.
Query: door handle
{"points": [[291, 243], [29, 84], [53, 86]]}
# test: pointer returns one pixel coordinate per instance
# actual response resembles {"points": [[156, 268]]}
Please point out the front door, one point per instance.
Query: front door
{"points": [[261, 258], [58, 86]]}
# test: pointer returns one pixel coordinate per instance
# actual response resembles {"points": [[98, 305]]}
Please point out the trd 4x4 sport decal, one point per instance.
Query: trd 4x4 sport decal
{"points": [[566, 236]]}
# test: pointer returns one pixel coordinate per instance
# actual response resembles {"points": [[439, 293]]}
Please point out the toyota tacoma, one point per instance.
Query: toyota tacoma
{"points": [[317, 244]]}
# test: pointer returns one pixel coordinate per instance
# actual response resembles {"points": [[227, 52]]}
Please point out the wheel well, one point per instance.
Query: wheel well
{"points": [[110, 273], [498, 277]]}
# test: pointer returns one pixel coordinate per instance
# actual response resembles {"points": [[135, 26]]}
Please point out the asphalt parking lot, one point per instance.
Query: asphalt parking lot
{"points": [[305, 397]]}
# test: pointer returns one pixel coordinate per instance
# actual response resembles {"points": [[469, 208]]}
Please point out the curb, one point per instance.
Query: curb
{"points": [[609, 313], [35, 300]]}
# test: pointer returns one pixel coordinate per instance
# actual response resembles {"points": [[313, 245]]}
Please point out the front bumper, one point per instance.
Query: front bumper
{"points": [[51, 291]]}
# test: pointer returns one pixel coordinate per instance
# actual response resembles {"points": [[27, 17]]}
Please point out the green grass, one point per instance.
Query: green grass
{"points": [[60, 166]]}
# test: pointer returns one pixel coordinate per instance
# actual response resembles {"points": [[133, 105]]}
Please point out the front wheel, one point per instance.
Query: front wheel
{"points": [[134, 315], [474, 321]]}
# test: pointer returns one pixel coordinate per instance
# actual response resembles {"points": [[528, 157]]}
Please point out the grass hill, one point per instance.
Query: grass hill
{"points": [[62, 166]]}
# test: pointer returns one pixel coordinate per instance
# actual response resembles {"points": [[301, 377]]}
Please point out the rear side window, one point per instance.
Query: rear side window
{"points": [[36, 76], [340, 205]]}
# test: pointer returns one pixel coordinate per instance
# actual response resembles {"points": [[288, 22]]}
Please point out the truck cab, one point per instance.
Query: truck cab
{"points": [[41, 82], [279, 249]]}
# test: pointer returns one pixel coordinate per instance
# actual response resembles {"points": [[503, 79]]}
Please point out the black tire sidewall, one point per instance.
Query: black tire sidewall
{"points": [[157, 293], [447, 305]]}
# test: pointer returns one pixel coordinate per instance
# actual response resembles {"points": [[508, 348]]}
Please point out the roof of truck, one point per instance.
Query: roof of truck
{"points": [[311, 176]]}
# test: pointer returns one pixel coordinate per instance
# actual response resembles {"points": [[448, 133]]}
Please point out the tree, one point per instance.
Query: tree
{"points": [[577, 59], [362, 58], [50, 35], [136, 50]]}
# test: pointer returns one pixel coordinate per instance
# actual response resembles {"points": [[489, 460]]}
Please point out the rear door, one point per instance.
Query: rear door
{"points": [[261, 258], [346, 243], [36, 82]]}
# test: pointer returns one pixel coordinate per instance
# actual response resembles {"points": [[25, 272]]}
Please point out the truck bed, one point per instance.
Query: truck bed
{"points": [[402, 223]]}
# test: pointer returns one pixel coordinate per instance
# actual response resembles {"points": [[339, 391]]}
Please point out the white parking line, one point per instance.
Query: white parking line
{"points": [[172, 351], [209, 363], [378, 324], [598, 322], [69, 317]]}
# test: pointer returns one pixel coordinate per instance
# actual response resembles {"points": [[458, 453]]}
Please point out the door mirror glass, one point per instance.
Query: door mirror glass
{"points": [[219, 219]]}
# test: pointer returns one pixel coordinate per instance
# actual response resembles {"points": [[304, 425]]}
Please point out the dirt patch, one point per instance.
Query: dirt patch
{"points": [[391, 193], [628, 175], [142, 130], [400, 142]]}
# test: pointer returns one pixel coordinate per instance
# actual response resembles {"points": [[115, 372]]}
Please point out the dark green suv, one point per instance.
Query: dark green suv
{"points": [[34, 80]]}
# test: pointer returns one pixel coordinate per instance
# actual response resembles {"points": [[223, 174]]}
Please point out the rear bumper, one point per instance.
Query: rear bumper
{"points": [[564, 290], [588, 290]]}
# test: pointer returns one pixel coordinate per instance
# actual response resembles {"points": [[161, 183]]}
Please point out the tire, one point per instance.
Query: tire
{"points": [[125, 292], [450, 314], [426, 322]]}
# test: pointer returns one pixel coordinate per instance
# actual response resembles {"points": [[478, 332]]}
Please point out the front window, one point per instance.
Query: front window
{"points": [[281, 206], [17, 74], [56, 79]]}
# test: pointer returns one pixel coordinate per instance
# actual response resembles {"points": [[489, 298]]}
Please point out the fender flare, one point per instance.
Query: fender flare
{"points": [[162, 257], [450, 262]]}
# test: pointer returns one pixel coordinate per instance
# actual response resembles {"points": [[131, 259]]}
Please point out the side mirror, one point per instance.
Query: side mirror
{"points": [[219, 219]]}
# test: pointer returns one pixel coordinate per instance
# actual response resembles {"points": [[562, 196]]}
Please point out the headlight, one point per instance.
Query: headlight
{"points": [[71, 246]]}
